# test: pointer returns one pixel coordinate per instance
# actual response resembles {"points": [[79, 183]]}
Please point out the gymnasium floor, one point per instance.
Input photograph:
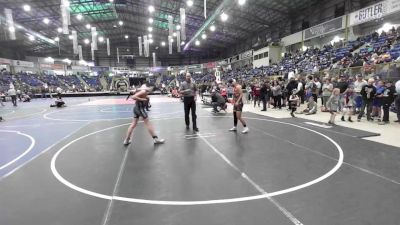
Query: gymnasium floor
{"points": [[69, 167]]}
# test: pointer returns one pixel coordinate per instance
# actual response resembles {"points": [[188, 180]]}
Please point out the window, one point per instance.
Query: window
{"points": [[256, 57], [265, 54]]}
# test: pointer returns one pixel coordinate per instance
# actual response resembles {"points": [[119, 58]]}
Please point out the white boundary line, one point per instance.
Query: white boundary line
{"points": [[24, 153], [29, 115], [13, 111], [205, 202], [289, 215]]}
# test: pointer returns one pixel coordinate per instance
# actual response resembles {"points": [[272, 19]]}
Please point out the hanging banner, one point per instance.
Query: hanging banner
{"points": [[23, 63], [183, 23], [154, 60], [170, 25], [108, 47], [94, 38], [75, 42], [80, 52], [10, 23], [140, 46], [205, 9], [64, 17], [118, 55], [366, 14], [325, 28], [178, 42], [145, 43], [92, 50], [170, 41]]}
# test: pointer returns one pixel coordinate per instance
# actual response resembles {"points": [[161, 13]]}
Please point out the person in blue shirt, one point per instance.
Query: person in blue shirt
{"points": [[377, 103]]}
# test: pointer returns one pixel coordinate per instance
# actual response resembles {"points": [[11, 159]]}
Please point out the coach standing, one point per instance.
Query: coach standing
{"points": [[189, 92]]}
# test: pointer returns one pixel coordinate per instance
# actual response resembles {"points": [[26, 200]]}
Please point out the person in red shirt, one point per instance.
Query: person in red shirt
{"points": [[256, 94], [224, 92]]}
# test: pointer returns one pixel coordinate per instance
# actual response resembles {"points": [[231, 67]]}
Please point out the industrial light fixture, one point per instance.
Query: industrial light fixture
{"points": [[70, 37], [26, 8], [150, 29], [197, 43], [11, 29], [57, 39], [174, 34], [86, 41], [150, 35], [67, 61], [189, 3], [126, 36], [178, 27], [204, 36], [151, 41], [88, 26], [182, 43], [212, 28], [49, 59], [120, 23], [111, 1], [101, 39], [79, 16], [151, 9], [224, 17], [46, 21], [59, 30], [163, 43], [242, 2], [32, 38], [151, 20]]}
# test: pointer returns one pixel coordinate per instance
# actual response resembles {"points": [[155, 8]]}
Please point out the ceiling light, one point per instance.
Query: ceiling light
{"points": [[19, 26], [49, 59], [101, 39], [151, 9], [197, 43], [88, 26], [204, 36], [111, 0], [115, 26], [151, 20], [174, 34], [46, 21], [212, 28], [86, 41], [189, 3], [70, 37], [32, 38], [182, 43], [59, 30], [150, 35], [57, 39], [11, 29], [150, 29], [151, 41], [120, 23], [163, 43], [67, 61], [224, 17], [79, 16], [26, 8], [171, 40], [242, 2], [126, 36], [178, 27]]}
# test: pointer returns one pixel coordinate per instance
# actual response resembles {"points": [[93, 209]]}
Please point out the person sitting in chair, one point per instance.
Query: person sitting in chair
{"points": [[218, 101]]}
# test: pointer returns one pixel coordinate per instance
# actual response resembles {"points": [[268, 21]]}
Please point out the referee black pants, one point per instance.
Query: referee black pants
{"points": [[190, 105]]}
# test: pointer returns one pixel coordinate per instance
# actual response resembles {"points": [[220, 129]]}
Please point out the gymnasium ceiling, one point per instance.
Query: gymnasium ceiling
{"points": [[244, 22]]}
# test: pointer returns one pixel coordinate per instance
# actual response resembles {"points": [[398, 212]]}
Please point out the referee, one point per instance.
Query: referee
{"points": [[189, 92]]}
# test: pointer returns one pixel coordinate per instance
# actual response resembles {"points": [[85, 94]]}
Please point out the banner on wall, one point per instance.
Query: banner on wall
{"points": [[374, 11], [23, 63], [5, 61], [325, 28], [210, 65], [247, 55]]}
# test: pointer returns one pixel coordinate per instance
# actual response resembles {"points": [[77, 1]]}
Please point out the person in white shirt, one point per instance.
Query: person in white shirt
{"points": [[358, 84], [13, 94]]}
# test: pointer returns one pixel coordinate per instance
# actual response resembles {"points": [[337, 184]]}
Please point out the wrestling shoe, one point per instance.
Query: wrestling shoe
{"points": [[233, 129], [127, 142], [158, 141], [245, 130]]}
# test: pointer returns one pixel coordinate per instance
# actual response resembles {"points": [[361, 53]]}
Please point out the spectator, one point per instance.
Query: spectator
{"points": [[368, 93], [349, 102], [358, 85], [277, 94], [397, 103], [327, 89], [264, 96], [293, 101], [377, 103], [334, 105], [256, 95], [387, 100], [13, 94]]}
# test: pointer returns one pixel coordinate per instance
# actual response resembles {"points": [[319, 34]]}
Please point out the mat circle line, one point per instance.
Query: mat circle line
{"points": [[33, 142], [67, 183]]}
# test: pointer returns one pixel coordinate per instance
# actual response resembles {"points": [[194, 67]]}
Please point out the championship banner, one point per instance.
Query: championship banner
{"points": [[170, 41], [64, 17], [178, 41], [108, 47], [94, 38], [140, 46], [325, 28], [170, 25], [118, 55], [183, 23], [10, 23], [75, 42], [92, 50], [145, 43], [154, 60], [80, 52]]}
